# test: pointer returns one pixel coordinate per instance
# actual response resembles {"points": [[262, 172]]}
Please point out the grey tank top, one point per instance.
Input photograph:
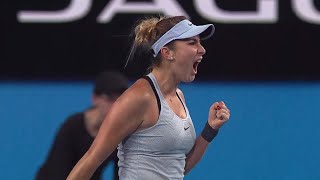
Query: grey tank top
{"points": [[158, 152]]}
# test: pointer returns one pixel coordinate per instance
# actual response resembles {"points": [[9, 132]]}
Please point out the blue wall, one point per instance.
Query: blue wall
{"points": [[273, 132]]}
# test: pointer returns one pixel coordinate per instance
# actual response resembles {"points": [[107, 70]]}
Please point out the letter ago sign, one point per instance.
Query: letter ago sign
{"points": [[267, 11]]}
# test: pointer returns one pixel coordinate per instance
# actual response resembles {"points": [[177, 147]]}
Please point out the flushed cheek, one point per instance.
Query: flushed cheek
{"points": [[186, 62], [187, 59]]}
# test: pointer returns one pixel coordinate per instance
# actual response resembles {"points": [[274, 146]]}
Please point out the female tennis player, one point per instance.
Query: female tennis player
{"points": [[150, 122]]}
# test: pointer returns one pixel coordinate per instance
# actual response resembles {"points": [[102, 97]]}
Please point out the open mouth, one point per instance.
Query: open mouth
{"points": [[195, 66]]}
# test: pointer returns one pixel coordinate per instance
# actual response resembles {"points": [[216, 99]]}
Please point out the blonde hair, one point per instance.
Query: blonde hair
{"points": [[145, 32], [148, 31]]}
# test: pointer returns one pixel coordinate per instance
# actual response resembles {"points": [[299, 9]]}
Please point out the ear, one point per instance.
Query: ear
{"points": [[166, 53]]}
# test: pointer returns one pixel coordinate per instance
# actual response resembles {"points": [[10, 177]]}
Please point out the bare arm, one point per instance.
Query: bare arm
{"points": [[124, 118], [218, 115], [195, 155]]}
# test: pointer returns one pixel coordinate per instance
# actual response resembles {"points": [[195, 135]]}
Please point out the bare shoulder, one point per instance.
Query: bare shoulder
{"points": [[139, 93], [130, 109]]}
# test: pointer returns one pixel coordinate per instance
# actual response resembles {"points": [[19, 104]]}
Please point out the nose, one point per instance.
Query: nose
{"points": [[201, 49]]}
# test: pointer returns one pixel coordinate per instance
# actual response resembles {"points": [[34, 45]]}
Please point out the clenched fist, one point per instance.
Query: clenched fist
{"points": [[218, 115]]}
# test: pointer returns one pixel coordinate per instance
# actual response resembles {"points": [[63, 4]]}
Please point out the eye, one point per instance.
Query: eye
{"points": [[192, 42]]}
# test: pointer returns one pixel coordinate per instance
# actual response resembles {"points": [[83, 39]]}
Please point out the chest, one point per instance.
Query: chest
{"points": [[176, 105], [170, 135]]}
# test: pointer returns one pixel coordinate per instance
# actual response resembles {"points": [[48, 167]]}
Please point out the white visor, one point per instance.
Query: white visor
{"points": [[182, 30]]}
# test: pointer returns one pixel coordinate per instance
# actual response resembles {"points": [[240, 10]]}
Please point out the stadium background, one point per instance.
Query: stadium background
{"points": [[266, 71]]}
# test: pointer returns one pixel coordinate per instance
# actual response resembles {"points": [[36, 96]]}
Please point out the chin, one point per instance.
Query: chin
{"points": [[189, 79]]}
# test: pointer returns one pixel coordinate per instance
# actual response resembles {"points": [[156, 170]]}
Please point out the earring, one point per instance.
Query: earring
{"points": [[171, 58]]}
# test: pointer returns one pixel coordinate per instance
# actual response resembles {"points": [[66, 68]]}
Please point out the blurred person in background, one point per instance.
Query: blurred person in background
{"points": [[77, 133], [150, 122]]}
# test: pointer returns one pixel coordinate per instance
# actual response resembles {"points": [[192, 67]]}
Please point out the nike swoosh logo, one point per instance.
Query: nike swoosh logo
{"points": [[186, 128]]}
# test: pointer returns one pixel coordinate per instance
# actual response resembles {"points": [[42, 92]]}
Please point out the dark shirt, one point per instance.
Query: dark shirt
{"points": [[71, 143]]}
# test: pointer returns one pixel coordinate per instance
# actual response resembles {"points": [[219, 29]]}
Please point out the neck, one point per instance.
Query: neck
{"points": [[167, 81]]}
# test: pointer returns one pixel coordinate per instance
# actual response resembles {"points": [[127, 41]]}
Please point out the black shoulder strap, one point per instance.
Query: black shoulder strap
{"points": [[154, 90], [181, 102]]}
